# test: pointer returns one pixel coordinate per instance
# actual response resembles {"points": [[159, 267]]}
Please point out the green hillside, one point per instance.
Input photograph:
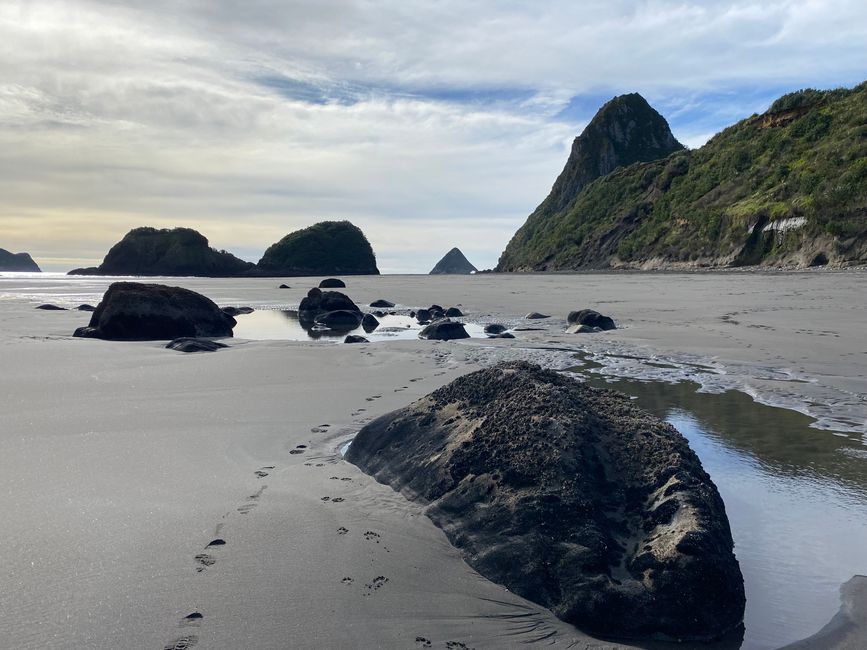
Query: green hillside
{"points": [[788, 187]]}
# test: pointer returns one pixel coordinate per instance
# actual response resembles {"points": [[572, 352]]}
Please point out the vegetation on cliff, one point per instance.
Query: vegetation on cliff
{"points": [[785, 187], [325, 248]]}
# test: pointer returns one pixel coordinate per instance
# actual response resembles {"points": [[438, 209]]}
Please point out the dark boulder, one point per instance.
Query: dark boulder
{"points": [[188, 344], [382, 304], [355, 338], [379, 313], [444, 330], [49, 307], [284, 286], [87, 270], [534, 315], [332, 283], [86, 332], [86, 307], [569, 496], [453, 312], [130, 311], [435, 307], [237, 311], [369, 323], [495, 328], [423, 315], [339, 319], [501, 335], [591, 318], [318, 302]]}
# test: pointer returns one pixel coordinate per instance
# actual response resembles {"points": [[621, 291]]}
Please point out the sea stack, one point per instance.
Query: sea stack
{"points": [[453, 262], [21, 262], [570, 496], [172, 252], [325, 248]]}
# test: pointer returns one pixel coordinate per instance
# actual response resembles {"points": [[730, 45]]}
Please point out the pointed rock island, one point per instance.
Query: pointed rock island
{"points": [[454, 262]]}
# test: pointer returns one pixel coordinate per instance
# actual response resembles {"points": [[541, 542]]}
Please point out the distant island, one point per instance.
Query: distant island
{"points": [[785, 188], [326, 248], [453, 262], [21, 262]]}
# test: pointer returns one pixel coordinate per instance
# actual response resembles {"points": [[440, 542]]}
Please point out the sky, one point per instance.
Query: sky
{"points": [[427, 124]]}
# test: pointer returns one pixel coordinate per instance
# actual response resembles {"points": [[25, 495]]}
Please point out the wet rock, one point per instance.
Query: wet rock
{"points": [[354, 338], [130, 311], [48, 307], [340, 319], [501, 335], [237, 311], [495, 328], [284, 286], [453, 312], [569, 496], [444, 330], [591, 318], [369, 323], [187, 344], [423, 315], [86, 307], [332, 283], [435, 307], [86, 333], [847, 630], [318, 302], [534, 315], [382, 304]]}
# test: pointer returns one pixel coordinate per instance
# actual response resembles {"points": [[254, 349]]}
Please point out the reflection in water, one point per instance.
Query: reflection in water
{"points": [[796, 498], [283, 325]]}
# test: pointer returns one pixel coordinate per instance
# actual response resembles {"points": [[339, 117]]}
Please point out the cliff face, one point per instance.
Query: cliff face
{"points": [[176, 252], [626, 130], [453, 262], [17, 262], [326, 248], [786, 188]]}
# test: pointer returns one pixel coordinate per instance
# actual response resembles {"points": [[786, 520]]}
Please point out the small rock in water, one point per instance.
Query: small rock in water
{"points": [[444, 330], [495, 328], [534, 315], [51, 308], [332, 283], [284, 286], [86, 307], [340, 319], [369, 323], [355, 338], [582, 329], [384, 304], [501, 335]]}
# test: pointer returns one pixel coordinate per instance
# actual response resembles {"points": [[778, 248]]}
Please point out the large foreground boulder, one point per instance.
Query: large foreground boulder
{"points": [[570, 496], [130, 311]]}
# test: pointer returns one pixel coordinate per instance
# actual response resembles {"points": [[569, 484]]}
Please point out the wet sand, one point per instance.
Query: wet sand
{"points": [[123, 461]]}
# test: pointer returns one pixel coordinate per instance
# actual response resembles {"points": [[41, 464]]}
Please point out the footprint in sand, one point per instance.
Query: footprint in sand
{"points": [[342, 530], [375, 584], [422, 642], [347, 581], [183, 643], [457, 645], [257, 493], [338, 500], [204, 561], [246, 508], [370, 536], [261, 473], [216, 542], [299, 449]]}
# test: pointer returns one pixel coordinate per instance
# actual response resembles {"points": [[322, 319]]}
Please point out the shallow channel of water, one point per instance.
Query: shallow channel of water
{"points": [[796, 498], [283, 325]]}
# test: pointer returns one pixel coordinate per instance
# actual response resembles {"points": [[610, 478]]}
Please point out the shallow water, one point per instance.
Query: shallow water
{"points": [[283, 325], [796, 498]]}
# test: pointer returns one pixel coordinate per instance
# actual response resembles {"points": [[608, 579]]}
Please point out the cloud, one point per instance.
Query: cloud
{"points": [[430, 125]]}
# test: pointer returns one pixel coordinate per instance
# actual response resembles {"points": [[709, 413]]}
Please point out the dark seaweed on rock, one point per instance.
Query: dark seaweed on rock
{"points": [[569, 496]]}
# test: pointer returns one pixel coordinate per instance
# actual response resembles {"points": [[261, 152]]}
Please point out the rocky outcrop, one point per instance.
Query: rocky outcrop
{"points": [[326, 248], [721, 205], [454, 262], [190, 345], [168, 252], [319, 302], [569, 496], [444, 330], [591, 318], [626, 130], [20, 262], [130, 311]]}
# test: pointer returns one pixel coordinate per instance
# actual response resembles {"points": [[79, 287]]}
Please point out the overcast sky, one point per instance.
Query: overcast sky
{"points": [[428, 124]]}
